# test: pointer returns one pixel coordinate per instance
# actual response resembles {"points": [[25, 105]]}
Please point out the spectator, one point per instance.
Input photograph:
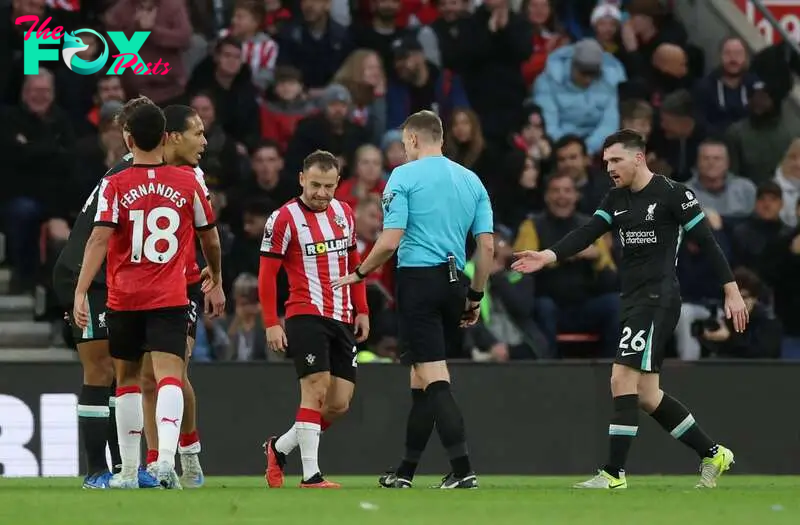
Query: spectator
{"points": [[363, 72], [606, 22], [394, 153], [108, 88], [499, 41], [220, 162], [786, 287], [227, 80], [419, 84], [669, 73], [466, 145], [722, 96], [788, 178], [716, 187], [212, 340], [268, 183], [452, 35], [700, 292], [259, 50], [315, 44], [761, 340], [754, 238], [285, 106], [578, 93], [170, 33], [243, 257], [767, 127], [680, 136], [572, 159], [637, 115], [37, 143], [649, 26], [276, 17], [548, 35], [532, 139], [507, 310], [96, 154], [521, 194], [246, 333], [330, 130], [367, 177], [577, 294], [382, 30]]}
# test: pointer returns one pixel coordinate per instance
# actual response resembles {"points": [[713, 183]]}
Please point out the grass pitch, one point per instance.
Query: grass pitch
{"points": [[750, 500]]}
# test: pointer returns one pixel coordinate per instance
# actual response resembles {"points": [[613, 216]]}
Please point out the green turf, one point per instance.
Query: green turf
{"points": [[500, 500]]}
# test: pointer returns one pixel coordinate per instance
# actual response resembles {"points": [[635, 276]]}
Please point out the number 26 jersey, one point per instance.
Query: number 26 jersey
{"points": [[154, 210]]}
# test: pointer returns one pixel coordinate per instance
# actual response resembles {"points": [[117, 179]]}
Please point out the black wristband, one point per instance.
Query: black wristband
{"points": [[474, 296], [358, 273]]}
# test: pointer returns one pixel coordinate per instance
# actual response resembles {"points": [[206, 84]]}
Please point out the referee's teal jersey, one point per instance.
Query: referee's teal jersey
{"points": [[437, 202]]}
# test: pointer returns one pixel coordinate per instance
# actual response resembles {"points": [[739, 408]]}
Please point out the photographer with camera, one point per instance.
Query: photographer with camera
{"points": [[699, 290], [761, 340], [506, 329]]}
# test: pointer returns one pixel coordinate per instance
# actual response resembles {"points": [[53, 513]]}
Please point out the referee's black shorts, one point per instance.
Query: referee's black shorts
{"points": [[429, 310]]}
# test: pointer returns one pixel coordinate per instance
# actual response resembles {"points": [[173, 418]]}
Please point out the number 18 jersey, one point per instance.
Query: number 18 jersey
{"points": [[154, 210]]}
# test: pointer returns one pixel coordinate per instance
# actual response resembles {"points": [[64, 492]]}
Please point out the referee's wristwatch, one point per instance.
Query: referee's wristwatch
{"points": [[357, 271]]}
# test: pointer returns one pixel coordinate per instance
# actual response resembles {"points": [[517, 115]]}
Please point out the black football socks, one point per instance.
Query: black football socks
{"points": [[93, 418], [679, 422], [621, 431], [450, 425], [113, 440], [418, 430]]}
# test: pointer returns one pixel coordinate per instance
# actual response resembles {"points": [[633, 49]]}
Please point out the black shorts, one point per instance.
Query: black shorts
{"points": [[646, 331], [429, 310], [196, 307], [64, 287], [133, 333], [319, 344]]}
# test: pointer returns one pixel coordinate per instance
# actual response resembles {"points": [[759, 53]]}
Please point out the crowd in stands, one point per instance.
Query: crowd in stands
{"points": [[528, 90]]}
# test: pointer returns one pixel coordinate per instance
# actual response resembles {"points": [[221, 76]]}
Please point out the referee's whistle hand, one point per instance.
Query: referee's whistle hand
{"points": [[347, 280]]}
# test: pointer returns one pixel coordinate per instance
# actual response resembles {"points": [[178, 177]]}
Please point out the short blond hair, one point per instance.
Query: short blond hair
{"points": [[425, 122]]}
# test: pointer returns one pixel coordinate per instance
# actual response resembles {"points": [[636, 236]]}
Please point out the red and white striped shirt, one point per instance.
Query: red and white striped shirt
{"points": [[316, 250], [261, 54]]}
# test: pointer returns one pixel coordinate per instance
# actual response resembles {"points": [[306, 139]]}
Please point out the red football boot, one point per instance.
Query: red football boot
{"points": [[275, 464]]}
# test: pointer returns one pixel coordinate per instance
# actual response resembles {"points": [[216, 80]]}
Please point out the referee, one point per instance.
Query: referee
{"points": [[430, 205]]}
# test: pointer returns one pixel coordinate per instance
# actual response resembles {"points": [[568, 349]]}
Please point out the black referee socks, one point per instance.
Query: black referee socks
{"points": [[418, 430], [93, 421], [679, 422], [623, 428], [450, 425]]}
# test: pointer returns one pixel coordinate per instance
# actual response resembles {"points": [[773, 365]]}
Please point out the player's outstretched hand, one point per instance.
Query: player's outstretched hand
{"points": [[347, 280], [362, 327], [80, 312], [215, 302], [276, 338], [530, 261], [736, 310]]}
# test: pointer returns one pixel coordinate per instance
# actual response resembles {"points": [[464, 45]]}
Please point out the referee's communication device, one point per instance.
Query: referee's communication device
{"points": [[452, 270]]}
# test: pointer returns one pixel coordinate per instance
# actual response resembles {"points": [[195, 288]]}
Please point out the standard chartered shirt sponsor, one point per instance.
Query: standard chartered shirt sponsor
{"points": [[638, 237]]}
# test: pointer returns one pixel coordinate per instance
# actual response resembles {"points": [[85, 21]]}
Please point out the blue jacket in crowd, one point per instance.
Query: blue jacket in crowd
{"points": [[591, 113]]}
